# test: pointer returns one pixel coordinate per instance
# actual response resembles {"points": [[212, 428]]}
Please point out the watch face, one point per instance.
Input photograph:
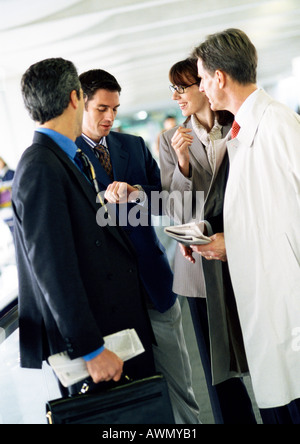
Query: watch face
{"points": [[141, 190]]}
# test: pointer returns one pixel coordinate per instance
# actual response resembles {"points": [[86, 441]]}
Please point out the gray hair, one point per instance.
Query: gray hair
{"points": [[46, 87], [230, 51]]}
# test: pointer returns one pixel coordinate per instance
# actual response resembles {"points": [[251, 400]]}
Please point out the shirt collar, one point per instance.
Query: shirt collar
{"points": [[202, 134], [92, 144], [64, 142], [242, 114]]}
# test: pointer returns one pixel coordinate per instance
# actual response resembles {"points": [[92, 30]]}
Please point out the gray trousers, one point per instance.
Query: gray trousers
{"points": [[172, 360]]}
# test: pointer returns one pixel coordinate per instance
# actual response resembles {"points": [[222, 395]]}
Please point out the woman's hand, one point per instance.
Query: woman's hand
{"points": [[181, 142], [187, 252]]}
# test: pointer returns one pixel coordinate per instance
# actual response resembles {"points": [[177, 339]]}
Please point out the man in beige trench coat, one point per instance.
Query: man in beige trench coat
{"points": [[261, 217]]}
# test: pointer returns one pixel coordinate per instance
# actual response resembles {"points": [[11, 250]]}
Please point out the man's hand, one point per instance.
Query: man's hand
{"points": [[120, 192], [214, 250], [105, 367]]}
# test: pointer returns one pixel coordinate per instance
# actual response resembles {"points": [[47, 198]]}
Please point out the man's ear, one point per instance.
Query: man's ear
{"points": [[74, 99], [221, 78]]}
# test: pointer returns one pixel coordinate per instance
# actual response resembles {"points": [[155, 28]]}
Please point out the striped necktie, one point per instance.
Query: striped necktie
{"points": [[103, 155]]}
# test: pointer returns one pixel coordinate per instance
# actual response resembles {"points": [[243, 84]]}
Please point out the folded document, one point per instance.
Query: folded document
{"points": [[188, 234], [126, 344]]}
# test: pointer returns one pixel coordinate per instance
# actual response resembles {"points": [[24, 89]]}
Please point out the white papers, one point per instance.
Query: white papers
{"points": [[126, 344], [188, 234]]}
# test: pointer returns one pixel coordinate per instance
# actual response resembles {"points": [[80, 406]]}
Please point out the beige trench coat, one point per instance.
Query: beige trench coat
{"points": [[262, 235]]}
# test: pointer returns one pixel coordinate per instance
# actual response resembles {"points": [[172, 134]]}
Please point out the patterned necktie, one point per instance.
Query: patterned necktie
{"points": [[87, 168], [235, 129], [103, 155]]}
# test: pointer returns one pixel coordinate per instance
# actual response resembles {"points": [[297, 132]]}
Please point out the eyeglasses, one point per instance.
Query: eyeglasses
{"points": [[180, 88]]}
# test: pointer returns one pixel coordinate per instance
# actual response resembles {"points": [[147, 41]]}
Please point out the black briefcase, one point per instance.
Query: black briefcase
{"points": [[145, 401]]}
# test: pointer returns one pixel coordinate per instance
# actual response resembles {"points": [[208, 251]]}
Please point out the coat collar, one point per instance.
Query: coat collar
{"points": [[45, 140], [197, 149], [249, 124], [249, 121]]}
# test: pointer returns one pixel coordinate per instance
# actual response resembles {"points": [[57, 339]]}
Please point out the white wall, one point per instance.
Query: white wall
{"points": [[16, 126]]}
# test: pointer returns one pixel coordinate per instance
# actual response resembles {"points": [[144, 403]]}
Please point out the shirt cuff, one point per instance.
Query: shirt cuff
{"points": [[93, 355]]}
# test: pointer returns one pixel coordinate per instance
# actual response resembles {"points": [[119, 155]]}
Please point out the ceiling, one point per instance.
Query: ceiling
{"points": [[138, 41]]}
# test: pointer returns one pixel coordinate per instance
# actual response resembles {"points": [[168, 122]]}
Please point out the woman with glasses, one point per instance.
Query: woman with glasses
{"points": [[193, 158]]}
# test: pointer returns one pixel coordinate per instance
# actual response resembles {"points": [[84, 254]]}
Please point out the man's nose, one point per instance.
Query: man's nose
{"points": [[109, 114]]}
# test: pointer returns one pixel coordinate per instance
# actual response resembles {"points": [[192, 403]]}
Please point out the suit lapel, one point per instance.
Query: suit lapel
{"points": [[79, 177], [197, 150], [119, 157]]}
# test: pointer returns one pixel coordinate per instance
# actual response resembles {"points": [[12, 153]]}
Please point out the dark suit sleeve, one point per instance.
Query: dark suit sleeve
{"points": [[41, 206], [216, 223]]}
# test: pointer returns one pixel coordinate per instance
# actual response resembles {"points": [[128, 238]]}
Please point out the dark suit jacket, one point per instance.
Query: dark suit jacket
{"points": [[77, 281], [133, 163]]}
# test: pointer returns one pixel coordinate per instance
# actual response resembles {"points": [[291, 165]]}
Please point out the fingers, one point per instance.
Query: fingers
{"points": [[187, 252], [113, 372], [182, 139], [212, 255], [215, 250], [209, 255], [116, 192], [181, 142], [182, 134], [105, 367], [117, 376]]}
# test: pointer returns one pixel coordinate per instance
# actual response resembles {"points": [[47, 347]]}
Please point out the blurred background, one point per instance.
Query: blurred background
{"points": [[137, 41]]}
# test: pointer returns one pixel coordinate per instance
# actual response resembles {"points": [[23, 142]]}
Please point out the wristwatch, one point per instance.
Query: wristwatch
{"points": [[141, 190]]}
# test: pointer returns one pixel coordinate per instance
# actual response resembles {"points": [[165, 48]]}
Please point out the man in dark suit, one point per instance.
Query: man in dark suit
{"points": [[78, 281], [129, 176]]}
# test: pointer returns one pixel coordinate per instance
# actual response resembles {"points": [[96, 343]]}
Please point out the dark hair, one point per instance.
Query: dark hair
{"points": [[187, 70], [184, 70], [46, 87], [230, 51], [96, 79]]}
